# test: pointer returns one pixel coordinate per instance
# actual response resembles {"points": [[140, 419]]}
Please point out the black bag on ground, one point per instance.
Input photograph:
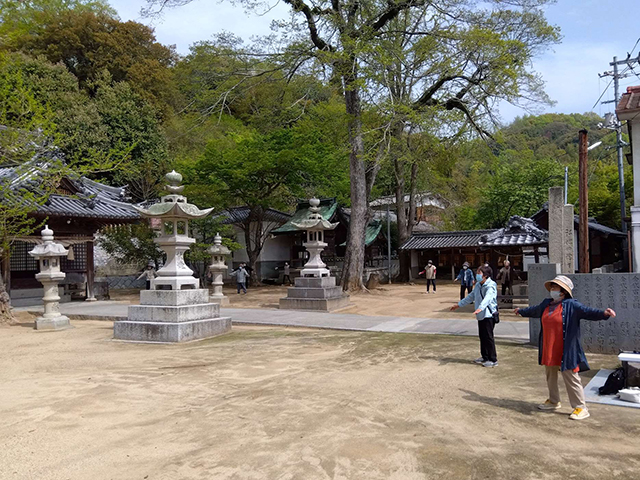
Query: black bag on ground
{"points": [[615, 382]]}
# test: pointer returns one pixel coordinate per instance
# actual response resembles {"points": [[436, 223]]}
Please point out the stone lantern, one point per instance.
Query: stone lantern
{"points": [[315, 289], [174, 213], [315, 226], [49, 254], [175, 309], [218, 266]]}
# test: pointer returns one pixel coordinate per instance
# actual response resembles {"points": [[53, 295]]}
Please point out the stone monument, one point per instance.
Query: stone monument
{"points": [[561, 231], [175, 309], [315, 288], [218, 266], [48, 255]]}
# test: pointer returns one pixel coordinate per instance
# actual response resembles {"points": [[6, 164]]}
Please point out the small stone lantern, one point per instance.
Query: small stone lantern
{"points": [[217, 268], [49, 254], [315, 226]]}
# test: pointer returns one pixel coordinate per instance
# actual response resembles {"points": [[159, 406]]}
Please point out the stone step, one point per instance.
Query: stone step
{"points": [[315, 282], [317, 304], [173, 314], [164, 332], [303, 292], [174, 297]]}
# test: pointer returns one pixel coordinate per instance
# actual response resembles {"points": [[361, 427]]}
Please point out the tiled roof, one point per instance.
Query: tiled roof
{"points": [[90, 199], [519, 232], [629, 103], [328, 208], [460, 239], [240, 214]]}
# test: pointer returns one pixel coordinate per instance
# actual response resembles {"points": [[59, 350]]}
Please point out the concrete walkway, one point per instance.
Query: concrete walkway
{"points": [[114, 311]]}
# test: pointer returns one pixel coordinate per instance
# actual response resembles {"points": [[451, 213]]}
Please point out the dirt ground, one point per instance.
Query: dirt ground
{"points": [[275, 403], [395, 300]]}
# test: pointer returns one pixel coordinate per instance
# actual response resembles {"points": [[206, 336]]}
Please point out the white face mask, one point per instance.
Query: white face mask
{"points": [[555, 294]]}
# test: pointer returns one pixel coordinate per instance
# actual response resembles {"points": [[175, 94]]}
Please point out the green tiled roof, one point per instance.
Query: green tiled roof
{"points": [[328, 209], [371, 233]]}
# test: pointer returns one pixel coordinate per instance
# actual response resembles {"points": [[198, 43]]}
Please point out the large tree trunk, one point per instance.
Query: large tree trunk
{"points": [[254, 241], [6, 316], [354, 257], [405, 219]]}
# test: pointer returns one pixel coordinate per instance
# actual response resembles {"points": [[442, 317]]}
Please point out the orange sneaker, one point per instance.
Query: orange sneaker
{"points": [[579, 414]]}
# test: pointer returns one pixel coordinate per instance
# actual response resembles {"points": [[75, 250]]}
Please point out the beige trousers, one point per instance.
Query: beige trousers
{"points": [[571, 381]]}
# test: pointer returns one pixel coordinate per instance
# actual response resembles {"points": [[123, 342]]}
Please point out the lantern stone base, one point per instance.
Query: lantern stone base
{"points": [[55, 323], [315, 293], [223, 301], [172, 316]]}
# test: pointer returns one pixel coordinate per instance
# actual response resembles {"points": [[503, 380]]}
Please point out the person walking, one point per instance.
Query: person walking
{"points": [[430, 275], [485, 298], [559, 348], [150, 273], [466, 280], [287, 273], [241, 278], [505, 277]]}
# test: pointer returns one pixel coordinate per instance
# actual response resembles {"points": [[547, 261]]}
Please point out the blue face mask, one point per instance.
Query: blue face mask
{"points": [[555, 294], [479, 277]]}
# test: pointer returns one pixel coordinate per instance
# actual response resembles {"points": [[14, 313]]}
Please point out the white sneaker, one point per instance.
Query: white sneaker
{"points": [[479, 361], [490, 364], [579, 414], [548, 405]]}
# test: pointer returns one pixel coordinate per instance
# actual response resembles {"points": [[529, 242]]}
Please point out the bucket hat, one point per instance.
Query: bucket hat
{"points": [[563, 282]]}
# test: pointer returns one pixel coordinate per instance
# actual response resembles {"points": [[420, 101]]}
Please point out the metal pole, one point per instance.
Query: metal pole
{"points": [[566, 185], [389, 241], [583, 144], [623, 207]]}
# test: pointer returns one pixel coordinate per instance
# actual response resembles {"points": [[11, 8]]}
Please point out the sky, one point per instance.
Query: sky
{"points": [[594, 31]]}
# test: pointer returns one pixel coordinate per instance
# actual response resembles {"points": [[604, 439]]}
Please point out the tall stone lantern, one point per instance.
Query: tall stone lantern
{"points": [[217, 268], [175, 309], [315, 289], [174, 213], [315, 226], [49, 254]]}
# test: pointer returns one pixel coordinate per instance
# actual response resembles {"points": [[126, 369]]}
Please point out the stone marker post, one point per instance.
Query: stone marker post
{"points": [[48, 255], [561, 231]]}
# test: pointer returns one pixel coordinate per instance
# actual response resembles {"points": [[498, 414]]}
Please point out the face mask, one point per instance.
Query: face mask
{"points": [[465, 268], [478, 277], [555, 294]]}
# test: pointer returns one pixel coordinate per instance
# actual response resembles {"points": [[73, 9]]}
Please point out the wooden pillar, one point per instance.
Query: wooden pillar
{"points": [[536, 254], [90, 273], [583, 143]]}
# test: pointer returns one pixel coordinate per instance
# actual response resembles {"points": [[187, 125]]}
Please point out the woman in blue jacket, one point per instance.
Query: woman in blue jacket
{"points": [[559, 348], [466, 280]]}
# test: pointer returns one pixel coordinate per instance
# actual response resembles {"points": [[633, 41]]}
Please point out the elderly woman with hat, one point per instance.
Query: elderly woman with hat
{"points": [[559, 348]]}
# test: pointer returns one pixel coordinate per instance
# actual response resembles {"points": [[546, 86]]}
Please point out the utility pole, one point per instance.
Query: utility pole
{"points": [[618, 128], [583, 232]]}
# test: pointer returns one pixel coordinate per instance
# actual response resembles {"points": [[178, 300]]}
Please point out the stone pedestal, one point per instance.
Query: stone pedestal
{"points": [[635, 236], [315, 293], [172, 316]]}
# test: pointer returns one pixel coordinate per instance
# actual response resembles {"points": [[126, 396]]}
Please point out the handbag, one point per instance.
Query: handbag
{"points": [[495, 315]]}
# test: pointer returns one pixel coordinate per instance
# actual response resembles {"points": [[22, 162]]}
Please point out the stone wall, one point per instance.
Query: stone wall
{"points": [[538, 274], [620, 291]]}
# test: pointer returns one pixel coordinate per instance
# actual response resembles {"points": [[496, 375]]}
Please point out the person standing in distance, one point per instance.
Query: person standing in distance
{"points": [[485, 298], [430, 275], [466, 280], [559, 348]]}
